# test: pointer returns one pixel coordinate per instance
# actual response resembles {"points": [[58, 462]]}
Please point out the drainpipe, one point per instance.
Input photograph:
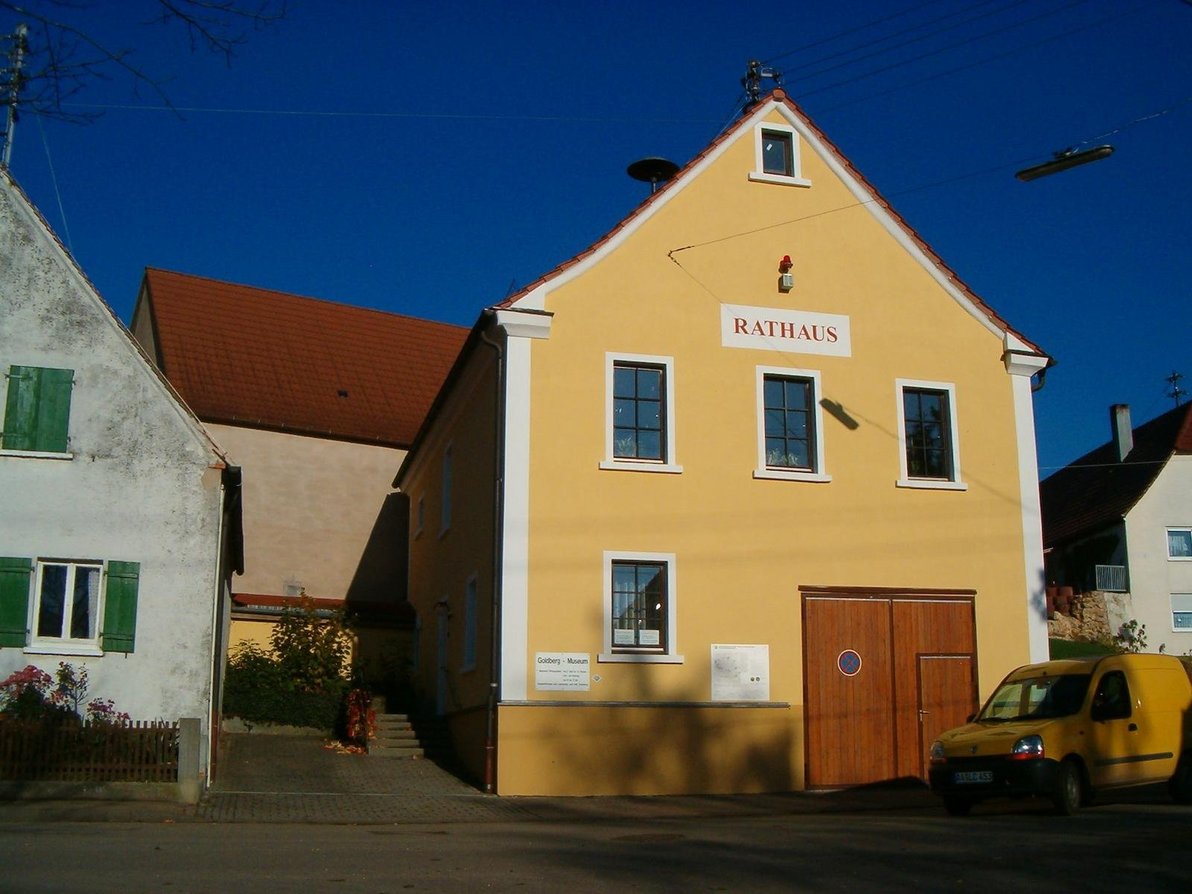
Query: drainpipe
{"points": [[490, 726]]}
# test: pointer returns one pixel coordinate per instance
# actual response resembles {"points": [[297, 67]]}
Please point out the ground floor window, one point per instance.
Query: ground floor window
{"points": [[1181, 611], [639, 607]]}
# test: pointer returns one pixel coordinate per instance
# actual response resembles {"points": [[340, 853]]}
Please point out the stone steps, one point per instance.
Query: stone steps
{"points": [[399, 736]]}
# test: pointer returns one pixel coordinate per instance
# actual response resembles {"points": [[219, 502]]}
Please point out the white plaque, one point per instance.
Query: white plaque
{"points": [[740, 673], [778, 329], [562, 671]]}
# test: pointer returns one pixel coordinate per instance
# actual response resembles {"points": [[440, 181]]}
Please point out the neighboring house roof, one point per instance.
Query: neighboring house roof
{"points": [[258, 358], [780, 98], [1098, 490]]}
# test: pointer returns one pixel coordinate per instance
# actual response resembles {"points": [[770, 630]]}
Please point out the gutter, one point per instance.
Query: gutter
{"points": [[490, 720]]}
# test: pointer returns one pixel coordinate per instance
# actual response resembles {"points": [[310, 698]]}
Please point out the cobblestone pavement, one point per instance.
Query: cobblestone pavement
{"points": [[296, 779]]}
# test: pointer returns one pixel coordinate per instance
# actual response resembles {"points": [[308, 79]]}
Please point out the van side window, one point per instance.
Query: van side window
{"points": [[1112, 699]]}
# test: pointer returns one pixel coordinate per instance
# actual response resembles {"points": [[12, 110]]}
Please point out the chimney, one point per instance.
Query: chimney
{"points": [[1123, 434]]}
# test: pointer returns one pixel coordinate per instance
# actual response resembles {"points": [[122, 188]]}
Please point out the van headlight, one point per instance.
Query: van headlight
{"points": [[1028, 748], [937, 755]]}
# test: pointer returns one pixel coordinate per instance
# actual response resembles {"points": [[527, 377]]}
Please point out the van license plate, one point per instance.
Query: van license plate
{"points": [[973, 777]]}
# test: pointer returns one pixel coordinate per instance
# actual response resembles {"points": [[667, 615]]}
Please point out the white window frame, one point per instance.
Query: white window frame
{"points": [[759, 173], [446, 485], [669, 654], [469, 661], [638, 465], [776, 472], [66, 645], [904, 479], [1185, 602], [1178, 529]]}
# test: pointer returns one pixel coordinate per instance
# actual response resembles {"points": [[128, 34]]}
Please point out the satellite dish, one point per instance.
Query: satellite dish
{"points": [[653, 171]]}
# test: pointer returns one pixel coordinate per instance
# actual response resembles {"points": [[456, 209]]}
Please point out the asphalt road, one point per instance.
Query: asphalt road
{"points": [[1138, 843]]}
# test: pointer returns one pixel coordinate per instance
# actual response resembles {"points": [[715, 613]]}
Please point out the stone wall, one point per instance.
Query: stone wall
{"points": [[1086, 618]]}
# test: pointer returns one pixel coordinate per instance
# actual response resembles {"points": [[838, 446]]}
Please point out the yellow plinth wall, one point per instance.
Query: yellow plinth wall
{"points": [[585, 749]]}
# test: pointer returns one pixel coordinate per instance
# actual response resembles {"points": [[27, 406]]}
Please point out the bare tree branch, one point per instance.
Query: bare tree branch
{"points": [[63, 58]]}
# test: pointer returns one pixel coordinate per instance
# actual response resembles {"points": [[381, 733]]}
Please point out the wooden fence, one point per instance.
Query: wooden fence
{"points": [[140, 751]]}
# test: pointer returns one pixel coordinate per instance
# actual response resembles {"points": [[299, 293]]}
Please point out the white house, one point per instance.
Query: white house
{"points": [[1119, 520], [119, 524]]}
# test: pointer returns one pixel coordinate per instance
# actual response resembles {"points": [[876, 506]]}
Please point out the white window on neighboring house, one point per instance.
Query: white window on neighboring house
{"points": [[37, 411], [776, 156], [790, 423], [639, 413], [929, 449], [640, 617], [1181, 612], [68, 607], [469, 662], [1179, 544]]}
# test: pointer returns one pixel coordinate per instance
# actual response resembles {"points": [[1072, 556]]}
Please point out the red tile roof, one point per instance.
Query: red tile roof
{"points": [[1097, 490], [263, 359]]}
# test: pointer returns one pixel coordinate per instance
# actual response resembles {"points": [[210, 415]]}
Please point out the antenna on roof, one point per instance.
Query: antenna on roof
{"points": [[1175, 392], [652, 170], [1068, 158], [13, 79], [755, 73]]}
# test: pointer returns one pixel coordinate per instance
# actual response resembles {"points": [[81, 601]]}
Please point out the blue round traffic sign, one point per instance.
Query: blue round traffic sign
{"points": [[849, 663]]}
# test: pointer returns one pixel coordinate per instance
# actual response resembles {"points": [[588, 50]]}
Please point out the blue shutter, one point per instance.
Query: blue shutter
{"points": [[120, 607], [14, 600]]}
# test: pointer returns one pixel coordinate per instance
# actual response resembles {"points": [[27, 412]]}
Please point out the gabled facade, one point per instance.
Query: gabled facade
{"points": [[118, 515], [681, 523], [1119, 521], [317, 403]]}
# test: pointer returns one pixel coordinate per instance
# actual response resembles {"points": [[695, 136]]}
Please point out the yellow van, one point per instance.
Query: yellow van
{"points": [[1067, 729]]}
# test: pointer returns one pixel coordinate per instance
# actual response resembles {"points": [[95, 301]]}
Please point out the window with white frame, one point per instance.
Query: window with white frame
{"points": [[67, 606], [1179, 544], [1181, 612], [639, 608], [776, 155], [445, 495], [790, 422], [639, 413], [469, 662], [929, 449]]}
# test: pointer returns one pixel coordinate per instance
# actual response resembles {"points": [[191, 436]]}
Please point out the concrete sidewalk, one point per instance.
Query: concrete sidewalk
{"points": [[296, 779]]}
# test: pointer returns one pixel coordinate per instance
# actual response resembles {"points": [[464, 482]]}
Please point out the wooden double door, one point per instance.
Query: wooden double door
{"points": [[884, 673]]}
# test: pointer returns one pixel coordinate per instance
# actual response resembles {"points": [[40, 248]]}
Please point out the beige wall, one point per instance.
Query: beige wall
{"points": [[319, 513]]}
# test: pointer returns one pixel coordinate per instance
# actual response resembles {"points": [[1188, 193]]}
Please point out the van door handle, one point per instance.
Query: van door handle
{"points": [[1133, 727]]}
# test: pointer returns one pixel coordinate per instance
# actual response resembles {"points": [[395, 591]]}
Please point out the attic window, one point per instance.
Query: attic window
{"points": [[776, 155], [342, 392]]}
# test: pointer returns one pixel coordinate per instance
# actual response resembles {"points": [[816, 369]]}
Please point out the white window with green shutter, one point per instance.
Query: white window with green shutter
{"points": [[68, 607], [37, 412]]}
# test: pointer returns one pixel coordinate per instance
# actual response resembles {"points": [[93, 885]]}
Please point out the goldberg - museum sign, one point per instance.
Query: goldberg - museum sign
{"points": [[793, 331]]}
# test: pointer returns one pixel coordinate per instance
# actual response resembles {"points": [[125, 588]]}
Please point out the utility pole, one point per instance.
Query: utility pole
{"points": [[1175, 392], [14, 79]]}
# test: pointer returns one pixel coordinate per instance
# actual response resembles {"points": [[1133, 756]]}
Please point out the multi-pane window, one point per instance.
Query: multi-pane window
{"points": [[639, 411], [788, 407], [37, 409], [639, 606], [778, 152], [928, 433], [1179, 543], [1181, 611], [67, 603]]}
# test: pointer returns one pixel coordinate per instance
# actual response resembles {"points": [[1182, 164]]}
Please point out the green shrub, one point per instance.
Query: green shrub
{"points": [[1064, 648]]}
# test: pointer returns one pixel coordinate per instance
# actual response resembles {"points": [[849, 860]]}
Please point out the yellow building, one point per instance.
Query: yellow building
{"points": [[743, 498]]}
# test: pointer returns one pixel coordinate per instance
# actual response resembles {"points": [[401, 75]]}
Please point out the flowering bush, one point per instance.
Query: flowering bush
{"points": [[32, 694]]}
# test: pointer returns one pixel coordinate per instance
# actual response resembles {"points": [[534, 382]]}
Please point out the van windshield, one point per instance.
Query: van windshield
{"points": [[1037, 698]]}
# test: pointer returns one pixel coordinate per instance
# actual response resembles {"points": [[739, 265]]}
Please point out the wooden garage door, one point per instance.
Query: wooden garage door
{"points": [[883, 674]]}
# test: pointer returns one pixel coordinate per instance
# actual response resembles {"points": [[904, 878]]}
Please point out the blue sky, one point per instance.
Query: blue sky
{"points": [[423, 158]]}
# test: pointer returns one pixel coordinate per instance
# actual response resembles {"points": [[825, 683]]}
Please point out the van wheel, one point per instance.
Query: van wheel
{"points": [[1180, 785], [1069, 788], [957, 806]]}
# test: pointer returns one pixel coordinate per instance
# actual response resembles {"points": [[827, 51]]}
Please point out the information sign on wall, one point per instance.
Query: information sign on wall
{"points": [[562, 671], [792, 331], [740, 673]]}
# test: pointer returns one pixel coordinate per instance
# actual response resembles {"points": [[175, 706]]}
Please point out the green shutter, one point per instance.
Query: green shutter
{"points": [[120, 607], [14, 600], [37, 412]]}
